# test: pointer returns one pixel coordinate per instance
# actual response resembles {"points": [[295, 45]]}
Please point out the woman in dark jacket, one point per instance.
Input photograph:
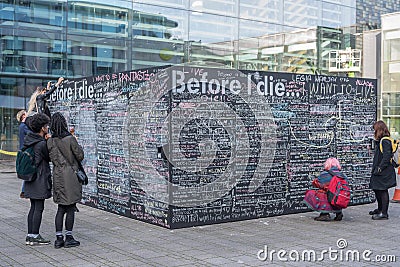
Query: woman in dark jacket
{"points": [[67, 190], [39, 189], [383, 174]]}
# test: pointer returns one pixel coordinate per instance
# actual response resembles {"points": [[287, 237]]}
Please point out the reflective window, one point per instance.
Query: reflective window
{"points": [[159, 36], [211, 38], [394, 49], [7, 10], [334, 15], [183, 4], [391, 103], [302, 13], [212, 29], [106, 36], [349, 3], [12, 91], [43, 13], [98, 38], [262, 10], [218, 7], [39, 38], [260, 46]]}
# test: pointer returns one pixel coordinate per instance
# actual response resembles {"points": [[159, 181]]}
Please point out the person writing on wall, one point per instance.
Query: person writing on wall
{"points": [[383, 174], [38, 101], [67, 190]]}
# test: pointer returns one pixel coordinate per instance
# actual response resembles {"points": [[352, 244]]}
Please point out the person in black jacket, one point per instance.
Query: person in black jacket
{"points": [[39, 189], [383, 174], [38, 101]]}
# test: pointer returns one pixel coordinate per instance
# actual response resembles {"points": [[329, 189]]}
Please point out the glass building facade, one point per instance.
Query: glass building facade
{"points": [[43, 40], [390, 94]]}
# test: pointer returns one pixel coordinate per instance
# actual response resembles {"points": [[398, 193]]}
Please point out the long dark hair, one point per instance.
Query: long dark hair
{"points": [[58, 126], [381, 130]]}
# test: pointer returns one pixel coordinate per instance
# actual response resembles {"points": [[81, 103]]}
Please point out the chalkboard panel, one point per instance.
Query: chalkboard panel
{"points": [[181, 146]]}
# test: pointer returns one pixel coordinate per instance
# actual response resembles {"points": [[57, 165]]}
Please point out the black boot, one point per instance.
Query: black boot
{"points": [[380, 216], [323, 217], [375, 211], [59, 243], [71, 242], [339, 216]]}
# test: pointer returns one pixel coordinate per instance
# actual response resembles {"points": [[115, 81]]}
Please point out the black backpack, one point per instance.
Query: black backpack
{"points": [[25, 164]]}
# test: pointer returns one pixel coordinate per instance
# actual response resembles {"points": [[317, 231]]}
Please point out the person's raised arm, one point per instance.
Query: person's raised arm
{"points": [[51, 88]]}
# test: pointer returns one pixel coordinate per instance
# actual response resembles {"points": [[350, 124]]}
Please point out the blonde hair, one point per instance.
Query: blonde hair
{"points": [[332, 162], [32, 101], [20, 114]]}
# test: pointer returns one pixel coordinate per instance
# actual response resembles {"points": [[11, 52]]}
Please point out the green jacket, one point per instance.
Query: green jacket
{"points": [[64, 153]]}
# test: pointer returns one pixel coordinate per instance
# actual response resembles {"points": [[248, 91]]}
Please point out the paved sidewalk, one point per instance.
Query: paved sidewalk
{"points": [[112, 240]]}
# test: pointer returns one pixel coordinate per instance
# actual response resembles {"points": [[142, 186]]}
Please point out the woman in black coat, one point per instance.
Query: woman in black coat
{"points": [[383, 174], [39, 189]]}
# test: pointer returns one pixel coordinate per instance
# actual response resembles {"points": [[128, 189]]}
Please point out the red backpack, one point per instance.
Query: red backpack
{"points": [[339, 192]]}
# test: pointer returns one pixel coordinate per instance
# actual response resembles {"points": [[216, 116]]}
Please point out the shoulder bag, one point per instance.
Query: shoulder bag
{"points": [[80, 172]]}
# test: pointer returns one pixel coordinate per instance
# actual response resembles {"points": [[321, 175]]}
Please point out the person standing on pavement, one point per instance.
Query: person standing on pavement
{"points": [[23, 130], [39, 189], [383, 174], [67, 191]]}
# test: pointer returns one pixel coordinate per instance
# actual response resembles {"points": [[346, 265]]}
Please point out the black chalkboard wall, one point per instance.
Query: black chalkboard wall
{"points": [[182, 146]]}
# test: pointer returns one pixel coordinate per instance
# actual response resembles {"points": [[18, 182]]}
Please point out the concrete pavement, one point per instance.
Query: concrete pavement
{"points": [[111, 240]]}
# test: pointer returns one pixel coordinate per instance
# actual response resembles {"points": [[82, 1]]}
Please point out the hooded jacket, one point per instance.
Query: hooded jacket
{"points": [[326, 176], [40, 188], [317, 199], [64, 153]]}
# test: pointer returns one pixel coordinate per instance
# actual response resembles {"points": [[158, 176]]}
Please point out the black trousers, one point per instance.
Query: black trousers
{"points": [[35, 215], [69, 210], [382, 197]]}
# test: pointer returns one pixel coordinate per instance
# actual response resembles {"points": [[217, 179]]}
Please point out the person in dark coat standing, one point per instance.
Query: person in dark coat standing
{"points": [[39, 189], [67, 190], [383, 173], [23, 130]]}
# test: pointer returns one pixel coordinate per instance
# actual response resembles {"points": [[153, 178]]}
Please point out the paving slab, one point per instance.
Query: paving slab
{"points": [[112, 240]]}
